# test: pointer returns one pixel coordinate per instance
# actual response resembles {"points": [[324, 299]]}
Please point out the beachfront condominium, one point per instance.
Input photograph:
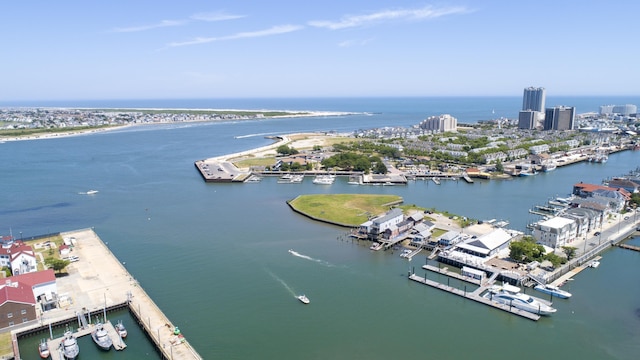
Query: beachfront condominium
{"points": [[533, 99], [441, 123], [532, 114], [559, 118]]}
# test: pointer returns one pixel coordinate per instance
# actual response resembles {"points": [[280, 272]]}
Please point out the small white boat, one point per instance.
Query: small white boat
{"points": [[91, 192], [43, 349], [304, 299], [594, 264], [122, 331], [553, 291], [375, 246], [69, 346]]}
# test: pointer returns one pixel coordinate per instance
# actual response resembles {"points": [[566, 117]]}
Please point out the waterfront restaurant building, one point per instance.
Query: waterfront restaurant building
{"points": [[555, 232]]}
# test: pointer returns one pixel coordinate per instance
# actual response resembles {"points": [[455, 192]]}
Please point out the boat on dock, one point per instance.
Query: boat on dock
{"points": [[594, 264], [510, 295], [303, 299], [436, 180], [121, 330], [324, 179], [376, 246], [101, 337], [43, 349], [69, 346], [553, 291]]}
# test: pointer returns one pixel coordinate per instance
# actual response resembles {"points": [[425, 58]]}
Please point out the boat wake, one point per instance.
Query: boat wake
{"points": [[322, 262], [291, 291], [253, 135]]}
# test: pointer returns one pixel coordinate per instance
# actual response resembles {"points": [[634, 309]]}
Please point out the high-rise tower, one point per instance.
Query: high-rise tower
{"points": [[533, 99]]}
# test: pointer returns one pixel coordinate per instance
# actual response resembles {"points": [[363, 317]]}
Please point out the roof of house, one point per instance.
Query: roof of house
{"points": [[391, 214], [34, 278], [592, 187], [487, 242], [16, 292]]}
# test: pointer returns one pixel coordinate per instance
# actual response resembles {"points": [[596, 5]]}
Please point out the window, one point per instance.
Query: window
{"points": [[10, 315], [23, 311], [11, 323], [24, 320]]}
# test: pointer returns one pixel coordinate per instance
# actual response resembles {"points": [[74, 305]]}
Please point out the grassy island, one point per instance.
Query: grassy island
{"points": [[343, 209]]}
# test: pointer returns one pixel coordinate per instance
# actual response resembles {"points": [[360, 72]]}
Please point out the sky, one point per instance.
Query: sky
{"points": [[116, 49]]}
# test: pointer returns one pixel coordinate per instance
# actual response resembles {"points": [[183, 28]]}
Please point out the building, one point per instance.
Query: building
{"points": [[17, 304], [487, 245], [560, 118], [441, 123], [624, 110], [18, 257], [533, 99], [555, 232], [527, 119], [374, 229]]}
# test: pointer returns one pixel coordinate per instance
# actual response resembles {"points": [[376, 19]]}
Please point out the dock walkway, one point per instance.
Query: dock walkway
{"points": [[445, 271], [54, 344], [99, 280]]}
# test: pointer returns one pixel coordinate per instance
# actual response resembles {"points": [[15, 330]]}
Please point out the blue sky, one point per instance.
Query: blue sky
{"points": [[61, 50]]}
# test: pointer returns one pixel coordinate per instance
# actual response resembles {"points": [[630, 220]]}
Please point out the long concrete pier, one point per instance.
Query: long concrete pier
{"points": [[99, 280]]}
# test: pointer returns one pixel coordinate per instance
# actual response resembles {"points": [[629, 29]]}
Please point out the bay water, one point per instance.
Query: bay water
{"points": [[215, 258]]}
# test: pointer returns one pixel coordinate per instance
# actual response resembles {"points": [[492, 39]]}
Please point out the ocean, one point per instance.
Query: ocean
{"points": [[215, 258]]}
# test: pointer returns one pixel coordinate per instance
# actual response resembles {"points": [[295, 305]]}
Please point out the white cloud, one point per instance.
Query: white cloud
{"points": [[425, 13], [350, 43], [215, 16], [163, 23], [276, 30]]}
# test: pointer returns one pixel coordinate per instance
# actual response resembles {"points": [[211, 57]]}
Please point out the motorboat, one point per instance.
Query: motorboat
{"points": [[101, 337], [43, 349], [304, 299], [121, 330], [91, 192], [69, 346], [510, 295], [324, 179], [549, 167], [375, 246], [553, 291], [594, 264]]}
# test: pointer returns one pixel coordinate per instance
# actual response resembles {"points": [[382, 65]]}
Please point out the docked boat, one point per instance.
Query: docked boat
{"points": [[121, 330], [375, 246], [510, 295], [594, 264], [290, 179], [43, 349], [69, 346], [324, 179], [548, 167], [553, 291], [101, 337], [304, 299], [253, 179]]}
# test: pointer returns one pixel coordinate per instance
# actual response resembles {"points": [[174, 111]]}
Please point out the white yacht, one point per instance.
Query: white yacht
{"points": [[304, 299], [69, 346], [101, 337], [324, 179], [553, 291], [376, 246], [511, 296]]}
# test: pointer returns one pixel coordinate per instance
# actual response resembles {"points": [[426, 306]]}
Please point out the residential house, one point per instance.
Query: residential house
{"points": [[17, 304], [555, 232]]}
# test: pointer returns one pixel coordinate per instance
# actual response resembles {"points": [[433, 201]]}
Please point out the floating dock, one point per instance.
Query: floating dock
{"points": [[54, 344], [476, 296], [629, 247]]}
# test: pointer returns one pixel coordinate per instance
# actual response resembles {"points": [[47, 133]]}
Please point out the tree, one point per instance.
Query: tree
{"points": [[56, 264], [526, 250], [499, 166], [570, 251], [286, 150]]}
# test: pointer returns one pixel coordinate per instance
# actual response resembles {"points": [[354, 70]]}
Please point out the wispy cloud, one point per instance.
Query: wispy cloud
{"points": [[276, 30], [209, 17], [351, 43], [425, 13], [161, 24], [215, 16]]}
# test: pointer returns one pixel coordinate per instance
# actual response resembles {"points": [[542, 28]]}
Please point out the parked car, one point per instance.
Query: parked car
{"points": [[597, 233]]}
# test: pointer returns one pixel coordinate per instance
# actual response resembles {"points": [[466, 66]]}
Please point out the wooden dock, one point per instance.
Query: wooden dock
{"points": [[445, 271], [475, 296], [629, 247]]}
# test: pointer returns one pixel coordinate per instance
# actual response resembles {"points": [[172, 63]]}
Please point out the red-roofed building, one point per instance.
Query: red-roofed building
{"points": [[17, 304], [42, 283], [18, 257], [615, 198]]}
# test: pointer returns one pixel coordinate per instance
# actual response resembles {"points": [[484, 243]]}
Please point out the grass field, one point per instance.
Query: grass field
{"points": [[345, 209]]}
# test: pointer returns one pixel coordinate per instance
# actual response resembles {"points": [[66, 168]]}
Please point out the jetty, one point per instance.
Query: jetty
{"points": [[99, 282], [629, 247]]}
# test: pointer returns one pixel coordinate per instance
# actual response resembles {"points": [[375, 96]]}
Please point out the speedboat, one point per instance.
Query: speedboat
{"points": [[121, 330], [91, 192], [69, 345], [510, 295], [324, 179], [594, 264], [43, 349], [553, 291], [304, 299], [101, 337], [375, 246]]}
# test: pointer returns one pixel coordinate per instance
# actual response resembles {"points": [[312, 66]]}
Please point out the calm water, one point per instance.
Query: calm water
{"points": [[214, 256]]}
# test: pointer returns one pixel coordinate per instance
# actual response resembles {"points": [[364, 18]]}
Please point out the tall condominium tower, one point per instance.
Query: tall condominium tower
{"points": [[533, 99], [560, 118]]}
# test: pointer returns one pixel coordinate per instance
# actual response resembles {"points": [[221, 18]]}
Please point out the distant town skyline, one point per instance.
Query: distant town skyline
{"points": [[197, 49]]}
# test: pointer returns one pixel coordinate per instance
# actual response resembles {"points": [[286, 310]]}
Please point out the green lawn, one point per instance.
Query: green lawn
{"points": [[344, 209]]}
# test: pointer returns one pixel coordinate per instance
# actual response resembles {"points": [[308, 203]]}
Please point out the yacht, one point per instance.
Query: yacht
{"points": [[510, 295], [594, 264], [548, 167], [376, 246], [324, 179], [101, 337], [121, 330], [69, 345], [304, 299], [553, 291], [91, 192]]}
